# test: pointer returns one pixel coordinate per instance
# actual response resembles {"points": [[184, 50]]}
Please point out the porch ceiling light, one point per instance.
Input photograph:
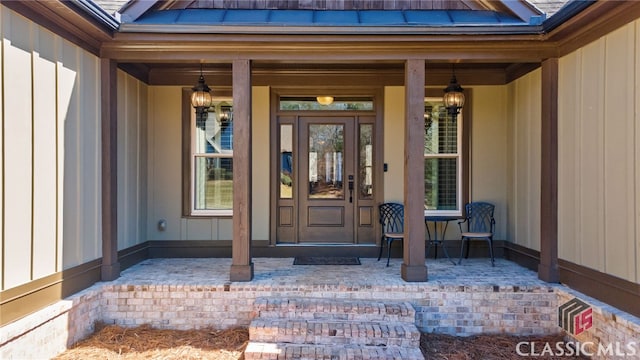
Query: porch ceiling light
{"points": [[325, 100], [453, 96], [201, 100]]}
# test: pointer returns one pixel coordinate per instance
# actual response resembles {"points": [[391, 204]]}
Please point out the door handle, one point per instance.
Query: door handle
{"points": [[350, 188]]}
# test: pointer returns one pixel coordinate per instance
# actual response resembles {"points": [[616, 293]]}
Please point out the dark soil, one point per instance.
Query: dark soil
{"points": [[488, 347]]}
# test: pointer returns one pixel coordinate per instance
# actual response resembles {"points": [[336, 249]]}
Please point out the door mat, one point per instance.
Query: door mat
{"points": [[326, 260]]}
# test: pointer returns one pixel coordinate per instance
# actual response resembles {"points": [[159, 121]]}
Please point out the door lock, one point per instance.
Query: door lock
{"points": [[350, 188]]}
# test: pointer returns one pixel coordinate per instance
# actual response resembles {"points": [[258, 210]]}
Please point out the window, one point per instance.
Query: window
{"points": [[341, 103], [443, 161], [211, 161]]}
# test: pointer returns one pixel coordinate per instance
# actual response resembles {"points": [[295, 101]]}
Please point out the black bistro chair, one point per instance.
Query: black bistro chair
{"points": [[479, 225], [392, 221]]}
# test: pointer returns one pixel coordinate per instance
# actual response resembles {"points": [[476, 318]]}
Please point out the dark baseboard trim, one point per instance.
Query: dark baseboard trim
{"points": [[521, 255], [262, 248], [25, 299], [133, 255], [617, 292]]}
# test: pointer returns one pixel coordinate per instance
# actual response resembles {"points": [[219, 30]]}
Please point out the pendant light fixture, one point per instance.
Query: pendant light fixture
{"points": [[453, 96], [201, 100]]}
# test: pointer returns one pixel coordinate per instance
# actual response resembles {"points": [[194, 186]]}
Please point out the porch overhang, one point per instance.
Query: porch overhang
{"points": [[278, 21]]}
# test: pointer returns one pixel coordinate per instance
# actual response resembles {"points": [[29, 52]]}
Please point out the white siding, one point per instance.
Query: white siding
{"points": [[598, 155], [51, 165], [44, 159], [17, 177]]}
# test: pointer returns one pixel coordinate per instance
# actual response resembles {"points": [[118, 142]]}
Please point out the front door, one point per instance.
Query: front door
{"points": [[326, 183], [326, 180]]}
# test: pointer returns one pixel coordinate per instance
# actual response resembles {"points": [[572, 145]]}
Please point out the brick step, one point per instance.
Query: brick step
{"points": [[284, 351], [338, 309], [334, 332]]}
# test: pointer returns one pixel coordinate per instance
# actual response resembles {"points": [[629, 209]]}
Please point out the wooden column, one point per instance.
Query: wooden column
{"points": [[110, 268], [241, 267], [548, 268], [413, 267]]}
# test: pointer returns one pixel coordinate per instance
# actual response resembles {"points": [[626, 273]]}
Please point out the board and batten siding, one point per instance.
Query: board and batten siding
{"points": [[489, 139], [599, 155], [523, 183], [50, 135], [165, 171], [132, 161]]}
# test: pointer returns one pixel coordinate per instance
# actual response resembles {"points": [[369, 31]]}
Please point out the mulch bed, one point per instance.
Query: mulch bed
{"points": [[144, 342]]}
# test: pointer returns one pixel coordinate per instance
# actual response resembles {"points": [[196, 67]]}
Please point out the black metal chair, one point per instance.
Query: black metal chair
{"points": [[480, 225], [392, 221]]}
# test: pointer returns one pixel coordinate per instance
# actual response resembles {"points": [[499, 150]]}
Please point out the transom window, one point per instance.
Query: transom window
{"points": [[325, 103], [442, 160]]}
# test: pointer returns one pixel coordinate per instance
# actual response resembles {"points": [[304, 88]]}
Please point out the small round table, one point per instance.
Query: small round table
{"points": [[443, 221]]}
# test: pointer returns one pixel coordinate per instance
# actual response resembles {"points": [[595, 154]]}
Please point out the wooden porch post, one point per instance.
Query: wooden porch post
{"points": [[241, 266], [413, 267], [110, 269], [548, 268]]}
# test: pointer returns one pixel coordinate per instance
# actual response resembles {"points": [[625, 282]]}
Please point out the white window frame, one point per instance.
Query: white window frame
{"points": [[193, 155], [458, 155]]}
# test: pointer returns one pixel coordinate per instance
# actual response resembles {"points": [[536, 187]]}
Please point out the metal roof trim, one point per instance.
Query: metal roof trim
{"points": [[97, 13], [333, 30], [268, 18], [569, 10]]}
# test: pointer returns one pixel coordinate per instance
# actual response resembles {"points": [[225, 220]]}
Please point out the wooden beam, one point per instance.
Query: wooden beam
{"points": [[168, 48], [413, 267], [301, 76], [241, 266], [548, 268], [109, 127]]}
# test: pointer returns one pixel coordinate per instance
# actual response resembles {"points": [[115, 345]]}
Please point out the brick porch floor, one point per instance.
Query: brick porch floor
{"points": [[281, 271]]}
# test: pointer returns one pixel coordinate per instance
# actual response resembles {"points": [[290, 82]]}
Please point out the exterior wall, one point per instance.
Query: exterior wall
{"points": [[51, 214], [489, 141], [132, 159], [488, 177], [165, 171], [488, 150], [599, 148], [393, 143], [523, 151]]}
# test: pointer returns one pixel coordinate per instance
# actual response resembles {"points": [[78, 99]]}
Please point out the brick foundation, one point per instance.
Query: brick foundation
{"points": [[177, 300]]}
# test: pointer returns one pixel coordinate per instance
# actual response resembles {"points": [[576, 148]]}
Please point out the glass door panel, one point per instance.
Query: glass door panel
{"points": [[326, 145]]}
